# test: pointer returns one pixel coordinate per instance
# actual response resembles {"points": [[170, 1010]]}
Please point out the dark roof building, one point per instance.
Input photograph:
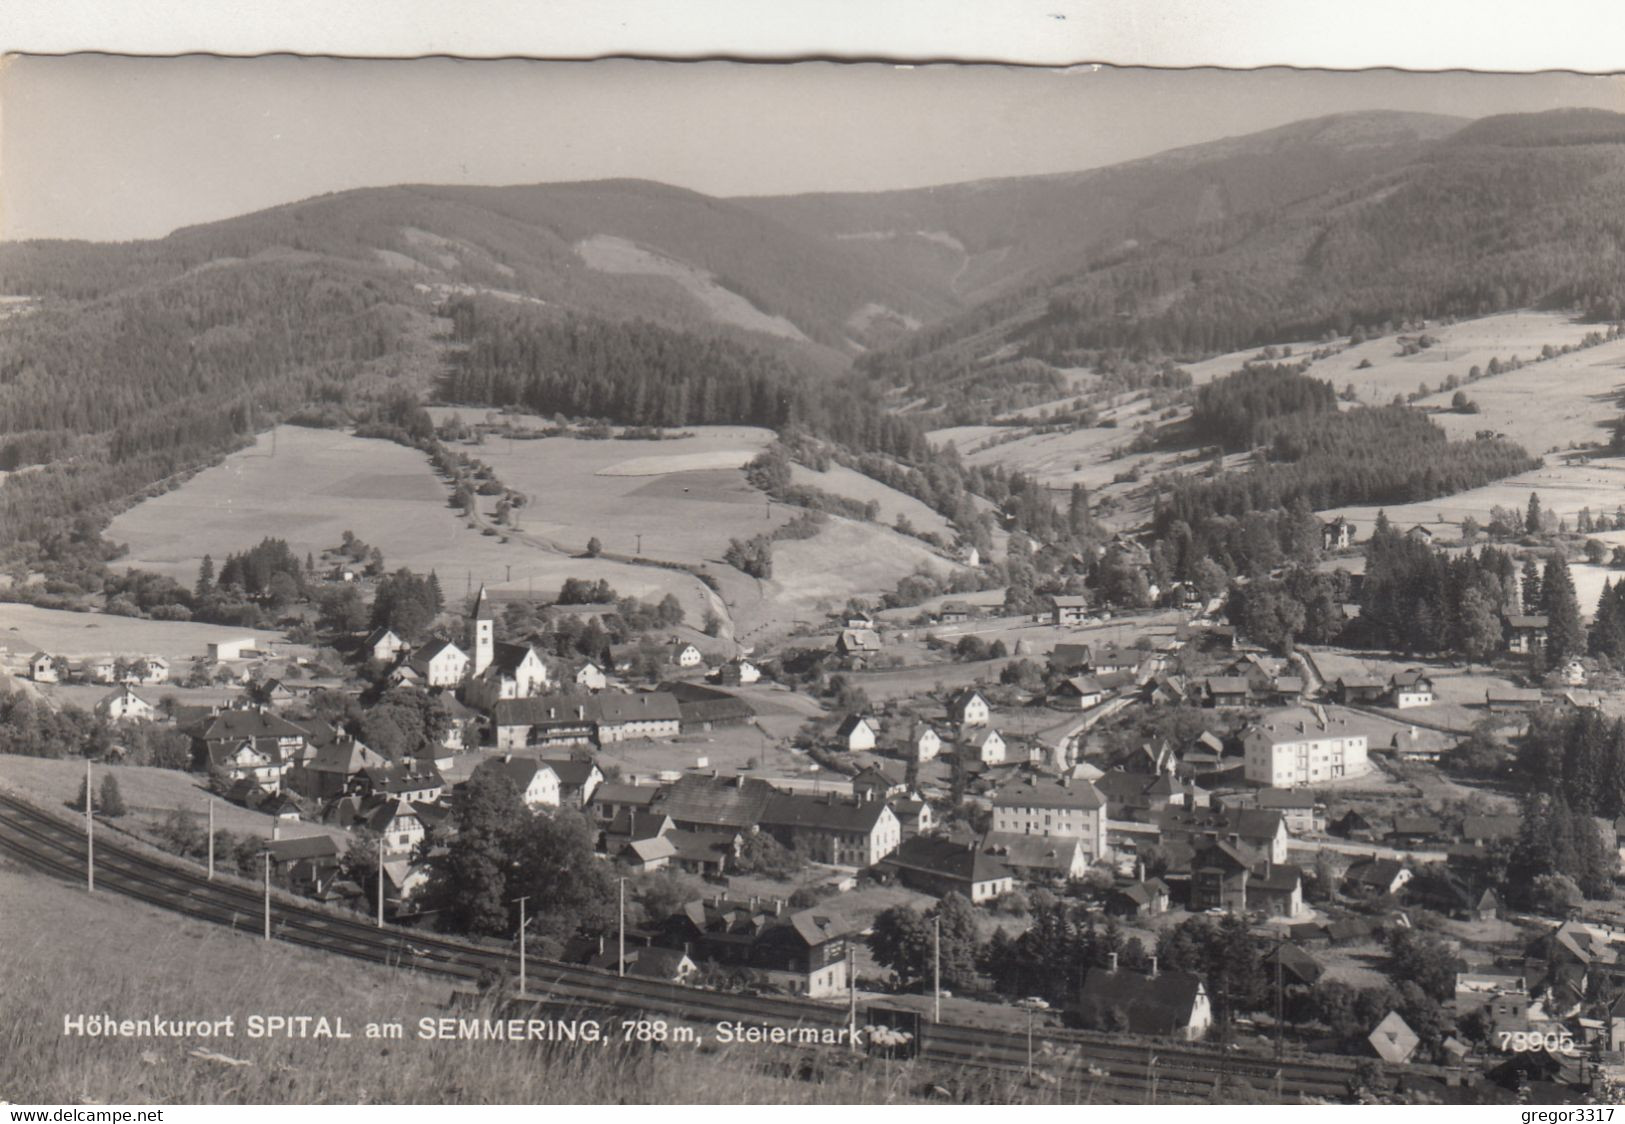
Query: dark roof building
{"points": [[1163, 1004], [700, 803], [943, 866]]}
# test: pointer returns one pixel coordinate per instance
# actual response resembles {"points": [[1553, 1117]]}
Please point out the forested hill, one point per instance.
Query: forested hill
{"points": [[986, 238], [121, 365], [1509, 212]]}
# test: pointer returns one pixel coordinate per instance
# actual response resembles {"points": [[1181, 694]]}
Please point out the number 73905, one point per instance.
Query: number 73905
{"points": [[1523, 1041]]}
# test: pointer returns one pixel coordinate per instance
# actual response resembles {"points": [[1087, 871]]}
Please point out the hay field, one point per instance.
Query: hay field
{"points": [[681, 495], [1545, 406], [324, 482], [77, 635], [846, 559], [1551, 405], [843, 481], [1564, 489]]}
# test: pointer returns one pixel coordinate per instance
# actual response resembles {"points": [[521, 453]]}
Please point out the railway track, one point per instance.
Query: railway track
{"points": [[1079, 1063]]}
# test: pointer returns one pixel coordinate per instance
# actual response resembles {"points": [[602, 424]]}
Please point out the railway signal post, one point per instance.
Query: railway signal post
{"points": [[522, 902], [380, 881], [210, 802], [620, 959], [267, 854]]}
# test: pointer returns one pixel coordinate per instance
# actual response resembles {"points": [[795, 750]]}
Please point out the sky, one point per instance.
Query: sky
{"points": [[108, 148]]}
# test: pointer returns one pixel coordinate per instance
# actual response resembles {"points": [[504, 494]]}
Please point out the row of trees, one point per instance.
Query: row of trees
{"points": [[1577, 755]]}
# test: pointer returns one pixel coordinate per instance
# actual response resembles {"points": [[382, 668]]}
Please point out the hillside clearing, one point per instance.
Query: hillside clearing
{"points": [[323, 482], [79, 635], [843, 481]]}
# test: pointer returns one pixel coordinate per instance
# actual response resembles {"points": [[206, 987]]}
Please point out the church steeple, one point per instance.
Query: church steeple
{"points": [[482, 633]]}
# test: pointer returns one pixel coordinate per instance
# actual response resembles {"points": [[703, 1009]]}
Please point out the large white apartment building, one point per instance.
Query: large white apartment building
{"points": [[1065, 808], [1302, 746]]}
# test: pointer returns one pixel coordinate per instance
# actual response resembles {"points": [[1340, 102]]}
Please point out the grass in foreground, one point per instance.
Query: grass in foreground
{"points": [[73, 953]]}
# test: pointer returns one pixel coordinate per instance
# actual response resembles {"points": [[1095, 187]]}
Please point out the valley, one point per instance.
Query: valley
{"points": [[1123, 576]]}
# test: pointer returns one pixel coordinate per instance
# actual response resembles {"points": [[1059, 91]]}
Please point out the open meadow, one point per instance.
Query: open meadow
{"points": [[25, 629], [322, 483], [683, 499], [1563, 489], [686, 497], [843, 481], [1544, 406]]}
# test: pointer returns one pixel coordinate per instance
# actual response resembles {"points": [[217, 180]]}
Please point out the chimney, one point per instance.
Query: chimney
{"points": [[1139, 870], [581, 713], [276, 830], [600, 944], [1113, 966], [1153, 972], [778, 906]]}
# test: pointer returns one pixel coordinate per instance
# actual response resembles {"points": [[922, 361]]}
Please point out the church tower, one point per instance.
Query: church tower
{"points": [[482, 634]]}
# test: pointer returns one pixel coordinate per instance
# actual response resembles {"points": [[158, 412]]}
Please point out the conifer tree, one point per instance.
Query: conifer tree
{"points": [[1565, 632], [205, 577], [111, 800], [1531, 519], [1532, 599]]}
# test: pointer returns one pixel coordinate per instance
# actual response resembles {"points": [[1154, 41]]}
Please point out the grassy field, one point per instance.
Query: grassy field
{"points": [[1563, 489], [71, 953], [321, 483], [683, 499], [150, 794], [1544, 406], [686, 497], [25, 629], [1458, 691], [843, 481], [812, 577]]}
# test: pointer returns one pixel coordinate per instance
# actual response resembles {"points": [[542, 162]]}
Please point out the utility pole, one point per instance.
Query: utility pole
{"points": [[936, 971], [1280, 1044], [509, 577], [522, 902], [90, 833], [267, 854], [640, 543], [852, 995], [210, 802], [380, 881], [620, 961]]}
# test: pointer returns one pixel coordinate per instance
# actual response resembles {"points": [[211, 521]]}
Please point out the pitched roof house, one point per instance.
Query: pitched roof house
{"points": [[536, 780], [832, 829], [969, 707], [1169, 1004], [1038, 856], [857, 642], [702, 803], [124, 705], [857, 733], [806, 953], [940, 867]]}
